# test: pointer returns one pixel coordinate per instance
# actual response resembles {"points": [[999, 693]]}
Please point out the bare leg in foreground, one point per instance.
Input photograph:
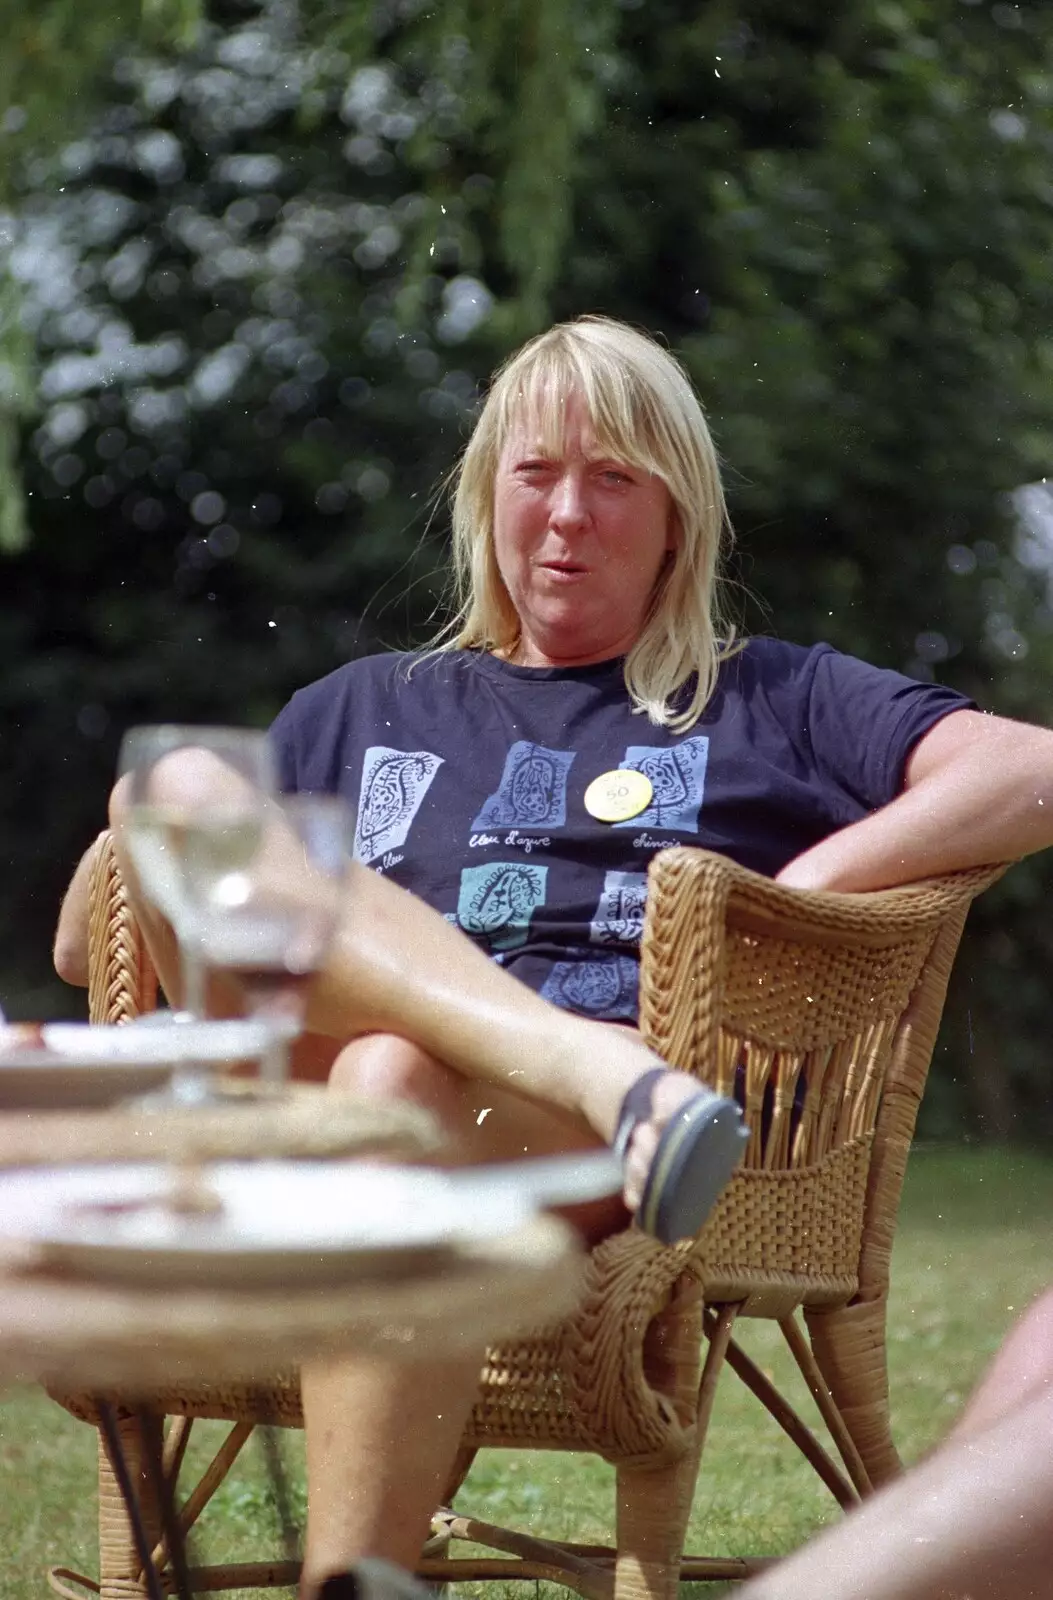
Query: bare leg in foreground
{"points": [[972, 1522]]}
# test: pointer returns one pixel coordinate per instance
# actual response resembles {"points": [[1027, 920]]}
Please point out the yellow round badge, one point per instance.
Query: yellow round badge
{"points": [[617, 796]]}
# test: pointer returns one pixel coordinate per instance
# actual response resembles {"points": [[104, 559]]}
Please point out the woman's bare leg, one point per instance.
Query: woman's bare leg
{"points": [[380, 1443], [451, 1030], [506, 1074], [381, 1439], [397, 967]]}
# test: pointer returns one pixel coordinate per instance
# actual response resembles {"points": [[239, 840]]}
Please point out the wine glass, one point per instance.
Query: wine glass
{"points": [[269, 924], [192, 819]]}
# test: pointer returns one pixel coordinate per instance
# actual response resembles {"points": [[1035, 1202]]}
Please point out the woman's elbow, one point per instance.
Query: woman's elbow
{"points": [[70, 956], [70, 949]]}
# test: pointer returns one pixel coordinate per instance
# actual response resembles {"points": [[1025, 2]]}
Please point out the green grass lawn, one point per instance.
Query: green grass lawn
{"points": [[974, 1247]]}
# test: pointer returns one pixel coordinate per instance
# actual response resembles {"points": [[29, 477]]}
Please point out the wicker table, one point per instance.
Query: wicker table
{"points": [[77, 1334], [113, 1340], [247, 1119], [117, 1341], [70, 1331]]}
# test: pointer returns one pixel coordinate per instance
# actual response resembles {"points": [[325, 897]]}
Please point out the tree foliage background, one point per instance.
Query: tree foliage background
{"points": [[259, 258]]}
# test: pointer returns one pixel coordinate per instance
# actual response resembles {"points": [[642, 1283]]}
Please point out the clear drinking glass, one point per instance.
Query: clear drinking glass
{"points": [[270, 924], [192, 820]]}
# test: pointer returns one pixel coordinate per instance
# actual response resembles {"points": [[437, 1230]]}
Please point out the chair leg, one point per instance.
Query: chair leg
{"points": [[653, 1507], [848, 1343], [462, 1465], [654, 1504], [120, 1570]]}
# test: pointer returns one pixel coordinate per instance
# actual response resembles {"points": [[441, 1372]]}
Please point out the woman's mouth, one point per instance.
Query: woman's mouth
{"points": [[563, 571]]}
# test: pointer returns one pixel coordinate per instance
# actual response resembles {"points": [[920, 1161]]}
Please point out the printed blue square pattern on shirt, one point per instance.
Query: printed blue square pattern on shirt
{"points": [[469, 776]]}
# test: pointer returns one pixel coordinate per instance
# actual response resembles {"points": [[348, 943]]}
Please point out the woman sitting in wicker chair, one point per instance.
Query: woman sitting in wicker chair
{"points": [[587, 709]]}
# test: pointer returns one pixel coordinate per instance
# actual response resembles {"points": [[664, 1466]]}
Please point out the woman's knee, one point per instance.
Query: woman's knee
{"points": [[383, 1064]]}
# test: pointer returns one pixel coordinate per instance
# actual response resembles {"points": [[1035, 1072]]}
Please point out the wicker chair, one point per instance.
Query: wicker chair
{"points": [[821, 1012]]}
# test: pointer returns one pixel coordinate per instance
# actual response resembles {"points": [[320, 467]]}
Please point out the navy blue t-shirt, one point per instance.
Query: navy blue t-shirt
{"points": [[468, 777]]}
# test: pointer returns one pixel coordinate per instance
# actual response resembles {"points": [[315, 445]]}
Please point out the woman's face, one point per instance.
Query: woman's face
{"points": [[580, 539]]}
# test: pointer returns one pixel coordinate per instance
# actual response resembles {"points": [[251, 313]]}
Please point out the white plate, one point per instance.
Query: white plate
{"points": [[37, 1079], [544, 1182], [282, 1223], [159, 1038], [78, 1065]]}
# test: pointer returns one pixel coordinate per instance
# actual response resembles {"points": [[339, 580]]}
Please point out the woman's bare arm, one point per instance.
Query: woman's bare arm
{"points": [[70, 949], [978, 790]]}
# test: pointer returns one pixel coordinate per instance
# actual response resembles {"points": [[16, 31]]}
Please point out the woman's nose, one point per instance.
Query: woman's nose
{"points": [[569, 508]]}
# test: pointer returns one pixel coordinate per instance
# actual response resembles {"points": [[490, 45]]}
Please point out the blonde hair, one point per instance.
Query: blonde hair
{"points": [[644, 412]]}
